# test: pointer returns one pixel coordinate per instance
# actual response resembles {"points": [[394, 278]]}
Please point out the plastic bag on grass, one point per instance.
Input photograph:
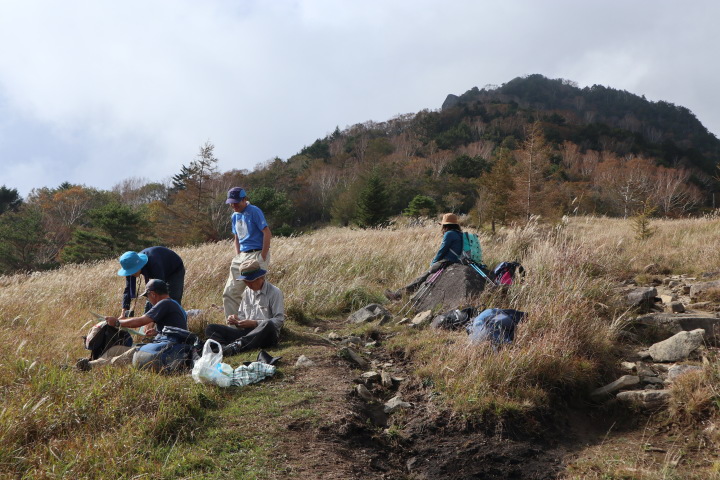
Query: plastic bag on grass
{"points": [[210, 369]]}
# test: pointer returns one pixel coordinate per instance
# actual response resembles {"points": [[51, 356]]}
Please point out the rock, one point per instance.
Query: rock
{"points": [[304, 362], [369, 378], [353, 357], [642, 298], [364, 393], [627, 366], [686, 289], [404, 320], [372, 344], [644, 355], [352, 341], [645, 398], [370, 313], [659, 326], [668, 299], [386, 379], [699, 290], [653, 268], [677, 370], [644, 371], [622, 382], [422, 318], [457, 285], [699, 305], [677, 307], [334, 336], [674, 283], [652, 380], [394, 404], [678, 347], [317, 330]]}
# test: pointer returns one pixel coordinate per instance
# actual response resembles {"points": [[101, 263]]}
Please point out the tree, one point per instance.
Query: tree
{"points": [[421, 206], [10, 200], [532, 163], [276, 206], [495, 191], [21, 240], [114, 229], [372, 203]]}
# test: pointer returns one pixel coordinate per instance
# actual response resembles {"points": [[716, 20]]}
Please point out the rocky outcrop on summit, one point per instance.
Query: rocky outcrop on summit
{"points": [[456, 286]]}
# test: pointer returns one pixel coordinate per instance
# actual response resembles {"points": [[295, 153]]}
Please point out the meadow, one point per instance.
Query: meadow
{"points": [[120, 423]]}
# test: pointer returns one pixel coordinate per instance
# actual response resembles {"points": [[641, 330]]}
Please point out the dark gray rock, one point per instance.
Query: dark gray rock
{"points": [[457, 286], [678, 347], [677, 307], [370, 313], [642, 298], [650, 399], [659, 326]]}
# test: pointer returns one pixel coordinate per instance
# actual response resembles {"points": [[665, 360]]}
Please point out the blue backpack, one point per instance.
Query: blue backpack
{"points": [[496, 325]]}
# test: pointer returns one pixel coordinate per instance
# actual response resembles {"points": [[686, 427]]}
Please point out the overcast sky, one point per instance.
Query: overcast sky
{"points": [[95, 91]]}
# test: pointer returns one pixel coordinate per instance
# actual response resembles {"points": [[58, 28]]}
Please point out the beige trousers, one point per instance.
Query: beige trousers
{"points": [[232, 294], [117, 356]]}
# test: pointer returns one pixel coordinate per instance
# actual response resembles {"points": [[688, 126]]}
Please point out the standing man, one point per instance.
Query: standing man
{"points": [[154, 262], [252, 242]]}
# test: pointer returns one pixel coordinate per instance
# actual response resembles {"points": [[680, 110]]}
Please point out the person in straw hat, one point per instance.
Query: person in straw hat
{"points": [[450, 248]]}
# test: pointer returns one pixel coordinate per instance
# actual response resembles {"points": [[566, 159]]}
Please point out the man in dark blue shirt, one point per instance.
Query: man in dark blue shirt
{"points": [[154, 262]]}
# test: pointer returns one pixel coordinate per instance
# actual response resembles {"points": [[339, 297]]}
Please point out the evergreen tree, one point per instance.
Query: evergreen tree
{"points": [[9, 199], [373, 203], [421, 206]]}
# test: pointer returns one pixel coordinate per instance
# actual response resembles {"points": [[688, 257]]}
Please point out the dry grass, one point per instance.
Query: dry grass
{"points": [[54, 419]]}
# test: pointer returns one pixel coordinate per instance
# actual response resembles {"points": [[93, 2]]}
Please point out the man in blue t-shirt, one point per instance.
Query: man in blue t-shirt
{"points": [[165, 312], [252, 242]]}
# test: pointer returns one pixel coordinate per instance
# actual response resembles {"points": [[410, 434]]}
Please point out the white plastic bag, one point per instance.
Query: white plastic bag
{"points": [[210, 369]]}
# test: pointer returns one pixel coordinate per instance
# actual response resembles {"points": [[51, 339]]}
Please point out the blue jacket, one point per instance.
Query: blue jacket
{"points": [[450, 248]]}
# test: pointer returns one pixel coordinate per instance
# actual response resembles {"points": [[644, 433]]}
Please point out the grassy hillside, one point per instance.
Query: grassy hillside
{"points": [[57, 423]]}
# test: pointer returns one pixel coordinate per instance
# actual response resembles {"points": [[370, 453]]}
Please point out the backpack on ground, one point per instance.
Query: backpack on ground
{"points": [[471, 248], [455, 319], [506, 272], [169, 352], [496, 325], [102, 336]]}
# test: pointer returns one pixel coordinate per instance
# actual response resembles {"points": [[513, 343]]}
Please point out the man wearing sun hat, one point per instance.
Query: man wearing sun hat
{"points": [[259, 318], [154, 262], [251, 237]]}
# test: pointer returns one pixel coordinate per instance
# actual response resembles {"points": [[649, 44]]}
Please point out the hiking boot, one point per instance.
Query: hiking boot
{"points": [[231, 349], [83, 365], [390, 295]]}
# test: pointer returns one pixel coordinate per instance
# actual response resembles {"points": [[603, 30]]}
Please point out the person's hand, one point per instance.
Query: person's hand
{"points": [[151, 332], [232, 320], [246, 323], [113, 321]]}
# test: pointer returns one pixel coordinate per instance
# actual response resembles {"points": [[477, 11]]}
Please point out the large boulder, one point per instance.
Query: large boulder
{"points": [[642, 298], [678, 347], [659, 326], [456, 286], [699, 290]]}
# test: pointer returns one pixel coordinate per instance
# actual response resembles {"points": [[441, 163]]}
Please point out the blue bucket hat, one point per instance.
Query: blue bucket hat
{"points": [[250, 270], [235, 195], [131, 263]]}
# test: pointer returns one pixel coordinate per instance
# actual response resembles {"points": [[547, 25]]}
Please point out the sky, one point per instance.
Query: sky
{"points": [[95, 91]]}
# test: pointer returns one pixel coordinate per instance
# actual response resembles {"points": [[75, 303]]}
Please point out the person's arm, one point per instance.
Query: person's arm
{"points": [[128, 294], [444, 249], [236, 241], [133, 322], [266, 242]]}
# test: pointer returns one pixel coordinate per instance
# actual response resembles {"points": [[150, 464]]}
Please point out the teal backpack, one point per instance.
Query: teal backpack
{"points": [[471, 248]]}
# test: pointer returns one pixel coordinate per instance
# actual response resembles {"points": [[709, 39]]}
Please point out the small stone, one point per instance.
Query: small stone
{"points": [[334, 336], [386, 379], [394, 404], [398, 379], [622, 382], [674, 283], [668, 299], [645, 398], [677, 307], [304, 362], [370, 377], [653, 380], [404, 320], [317, 330], [372, 344], [353, 357], [352, 341], [364, 393], [627, 366], [422, 318]]}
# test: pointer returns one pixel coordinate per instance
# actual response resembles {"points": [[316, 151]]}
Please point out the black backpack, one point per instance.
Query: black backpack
{"points": [[455, 319], [102, 337]]}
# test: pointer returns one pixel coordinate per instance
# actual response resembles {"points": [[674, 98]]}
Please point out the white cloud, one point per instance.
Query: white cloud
{"points": [[98, 88]]}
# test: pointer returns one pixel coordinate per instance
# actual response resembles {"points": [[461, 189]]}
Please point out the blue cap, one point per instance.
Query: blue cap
{"points": [[131, 263], [235, 194]]}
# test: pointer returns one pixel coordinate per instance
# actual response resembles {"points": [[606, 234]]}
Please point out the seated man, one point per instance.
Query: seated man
{"points": [[165, 312], [260, 318]]}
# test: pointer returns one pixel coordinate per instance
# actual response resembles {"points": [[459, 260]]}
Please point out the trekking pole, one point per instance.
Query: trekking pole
{"points": [[426, 288], [482, 274], [421, 291]]}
